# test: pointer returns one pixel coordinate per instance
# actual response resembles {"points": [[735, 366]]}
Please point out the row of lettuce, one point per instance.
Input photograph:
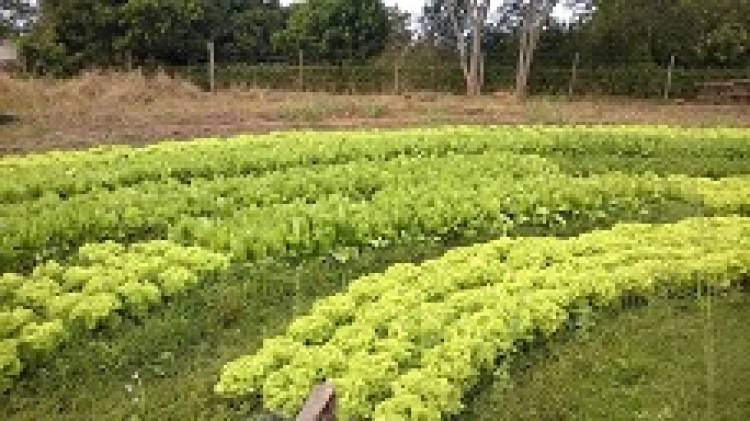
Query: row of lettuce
{"points": [[317, 209], [696, 152], [410, 342], [50, 226], [42, 310]]}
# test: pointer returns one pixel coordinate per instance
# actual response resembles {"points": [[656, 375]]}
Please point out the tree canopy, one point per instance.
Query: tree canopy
{"points": [[76, 34], [68, 35], [698, 32], [336, 30]]}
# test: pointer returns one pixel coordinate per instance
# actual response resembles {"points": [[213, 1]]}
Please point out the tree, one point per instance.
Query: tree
{"points": [[436, 26], [468, 18], [475, 35], [533, 15], [16, 17], [164, 30], [243, 29], [399, 32], [700, 33], [252, 29], [336, 30], [724, 32], [73, 34]]}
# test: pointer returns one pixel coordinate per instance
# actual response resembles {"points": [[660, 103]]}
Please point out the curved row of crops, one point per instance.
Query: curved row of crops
{"points": [[69, 173], [408, 343], [317, 209], [45, 227]]}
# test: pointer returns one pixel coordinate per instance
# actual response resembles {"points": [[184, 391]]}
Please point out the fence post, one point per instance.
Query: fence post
{"points": [[395, 77], [481, 75], [301, 77], [351, 78], [129, 61], [211, 64], [668, 86], [573, 75]]}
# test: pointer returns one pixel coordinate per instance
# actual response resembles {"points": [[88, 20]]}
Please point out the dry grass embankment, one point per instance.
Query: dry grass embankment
{"points": [[109, 108]]}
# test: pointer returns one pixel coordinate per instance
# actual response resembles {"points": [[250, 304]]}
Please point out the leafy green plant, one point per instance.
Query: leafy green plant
{"points": [[41, 311]]}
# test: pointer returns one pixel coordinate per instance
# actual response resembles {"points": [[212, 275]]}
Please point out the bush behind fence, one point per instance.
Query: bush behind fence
{"points": [[634, 80]]}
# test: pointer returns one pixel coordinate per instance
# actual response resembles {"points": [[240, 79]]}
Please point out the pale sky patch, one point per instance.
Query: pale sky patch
{"points": [[415, 7]]}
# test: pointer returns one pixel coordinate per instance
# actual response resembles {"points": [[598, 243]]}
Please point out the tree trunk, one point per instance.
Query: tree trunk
{"points": [[529, 38], [520, 76], [524, 51], [476, 47], [474, 22], [461, 44]]}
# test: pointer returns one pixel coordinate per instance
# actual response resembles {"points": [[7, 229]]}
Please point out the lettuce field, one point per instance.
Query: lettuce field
{"points": [[225, 278]]}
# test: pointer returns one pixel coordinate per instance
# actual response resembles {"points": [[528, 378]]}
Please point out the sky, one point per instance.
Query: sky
{"points": [[412, 6], [415, 6]]}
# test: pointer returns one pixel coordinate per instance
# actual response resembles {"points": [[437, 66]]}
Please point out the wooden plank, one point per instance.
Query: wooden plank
{"points": [[721, 84], [320, 405], [725, 91]]}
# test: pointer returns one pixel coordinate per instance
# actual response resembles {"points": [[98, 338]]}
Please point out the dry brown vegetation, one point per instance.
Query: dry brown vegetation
{"points": [[111, 108]]}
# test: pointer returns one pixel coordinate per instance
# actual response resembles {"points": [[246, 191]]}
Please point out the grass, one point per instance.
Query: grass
{"points": [[315, 112], [669, 360]]}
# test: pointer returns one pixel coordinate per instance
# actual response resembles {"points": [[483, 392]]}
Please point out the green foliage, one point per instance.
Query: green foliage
{"points": [[336, 30], [163, 29], [42, 337], [699, 33], [10, 364], [243, 30], [423, 335], [11, 321], [72, 35], [728, 44]]}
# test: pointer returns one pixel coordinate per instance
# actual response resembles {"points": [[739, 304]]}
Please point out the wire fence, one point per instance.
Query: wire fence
{"points": [[633, 79]]}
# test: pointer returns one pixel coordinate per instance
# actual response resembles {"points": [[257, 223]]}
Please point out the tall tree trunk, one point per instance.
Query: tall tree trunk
{"points": [[476, 15], [476, 47], [530, 33], [526, 49], [520, 76], [460, 43]]}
